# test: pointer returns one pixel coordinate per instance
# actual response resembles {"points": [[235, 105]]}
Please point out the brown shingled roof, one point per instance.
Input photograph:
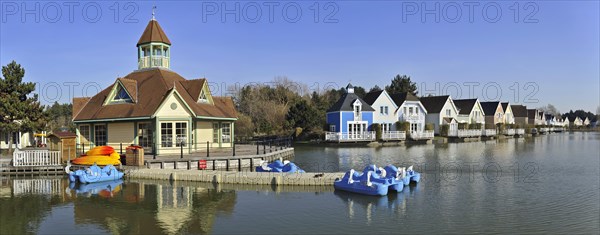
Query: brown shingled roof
{"points": [[194, 86], [78, 103], [153, 86], [153, 33]]}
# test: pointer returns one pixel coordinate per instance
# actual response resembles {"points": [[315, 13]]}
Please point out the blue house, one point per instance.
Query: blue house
{"points": [[350, 118]]}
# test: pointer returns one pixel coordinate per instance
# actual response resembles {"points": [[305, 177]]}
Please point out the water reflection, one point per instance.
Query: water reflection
{"points": [[103, 189], [559, 194], [369, 206], [132, 208]]}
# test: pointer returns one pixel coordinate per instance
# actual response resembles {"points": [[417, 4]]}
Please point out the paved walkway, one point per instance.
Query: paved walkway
{"points": [[214, 153]]}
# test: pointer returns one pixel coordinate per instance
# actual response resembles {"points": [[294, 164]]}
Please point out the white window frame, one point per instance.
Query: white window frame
{"points": [[100, 141], [225, 128], [89, 132]]}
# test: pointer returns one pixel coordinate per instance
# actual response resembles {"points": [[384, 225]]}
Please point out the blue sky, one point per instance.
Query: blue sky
{"points": [[549, 55]]}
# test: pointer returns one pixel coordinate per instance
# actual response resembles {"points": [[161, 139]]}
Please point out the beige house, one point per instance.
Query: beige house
{"points": [[155, 107], [494, 113]]}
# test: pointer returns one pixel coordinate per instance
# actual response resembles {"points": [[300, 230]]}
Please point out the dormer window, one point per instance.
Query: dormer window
{"points": [[119, 95], [202, 98], [357, 108], [122, 95]]}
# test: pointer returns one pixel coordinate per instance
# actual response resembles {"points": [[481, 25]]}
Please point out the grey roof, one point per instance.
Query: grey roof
{"points": [[345, 103], [465, 106], [434, 104], [531, 113], [489, 108], [399, 98], [519, 110], [372, 96], [505, 106]]}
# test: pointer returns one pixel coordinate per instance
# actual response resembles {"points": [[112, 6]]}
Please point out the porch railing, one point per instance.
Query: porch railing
{"points": [[464, 133], [36, 158], [421, 135], [488, 132], [520, 131], [347, 136], [509, 132], [393, 135], [148, 61]]}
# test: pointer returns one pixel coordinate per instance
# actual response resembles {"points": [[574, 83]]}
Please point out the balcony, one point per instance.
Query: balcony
{"points": [[393, 135], [488, 132], [412, 117], [154, 61], [464, 133], [425, 135], [350, 137]]}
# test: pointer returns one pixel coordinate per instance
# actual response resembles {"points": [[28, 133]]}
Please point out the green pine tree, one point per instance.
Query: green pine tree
{"points": [[19, 109]]}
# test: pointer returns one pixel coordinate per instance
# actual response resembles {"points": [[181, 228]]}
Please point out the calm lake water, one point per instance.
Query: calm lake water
{"points": [[546, 184]]}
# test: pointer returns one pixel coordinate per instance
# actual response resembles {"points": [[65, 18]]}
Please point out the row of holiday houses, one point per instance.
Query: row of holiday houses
{"points": [[403, 115]]}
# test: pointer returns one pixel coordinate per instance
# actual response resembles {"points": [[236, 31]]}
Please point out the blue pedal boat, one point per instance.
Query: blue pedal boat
{"points": [[367, 183], [278, 166], [94, 174], [397, 176], [413, 175]]}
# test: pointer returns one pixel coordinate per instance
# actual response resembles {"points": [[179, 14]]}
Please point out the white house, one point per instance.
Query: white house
{"points": [[586, 122], [470, 111], [19, 139], [575, 122], [440, 110], [411, 110], [509, 117], [385, 109]]}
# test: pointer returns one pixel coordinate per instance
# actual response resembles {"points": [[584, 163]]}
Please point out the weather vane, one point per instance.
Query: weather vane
{"points": [[153, 9]]}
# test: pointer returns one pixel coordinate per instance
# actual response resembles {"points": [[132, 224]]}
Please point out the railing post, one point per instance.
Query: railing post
{"points": [[264, 148], [239, 164], [233, 143], [154, 151], [82, 149], [227, 165], [121, 148], [181, 145], [207, 149], [257, 151], [270, 149], [214, 165], [251, 164]]}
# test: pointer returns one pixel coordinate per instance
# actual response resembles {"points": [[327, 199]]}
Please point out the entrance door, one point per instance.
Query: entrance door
{"points": [[146, 137], [414, 128], [355, 130]]}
